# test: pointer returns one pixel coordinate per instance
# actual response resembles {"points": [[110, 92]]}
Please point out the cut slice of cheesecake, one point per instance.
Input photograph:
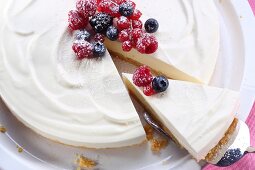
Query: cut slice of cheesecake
{"points": [[188, 38], [198, 117]]}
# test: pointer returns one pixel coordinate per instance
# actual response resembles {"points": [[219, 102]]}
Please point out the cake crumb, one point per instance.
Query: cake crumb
{"points": [[158, 144], [84, 162], [149, 132], [20, 149], [2, 129]]}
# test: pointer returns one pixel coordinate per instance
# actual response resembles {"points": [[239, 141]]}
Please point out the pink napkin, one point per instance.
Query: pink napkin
{"points": [[252, 3], [248, 162]]}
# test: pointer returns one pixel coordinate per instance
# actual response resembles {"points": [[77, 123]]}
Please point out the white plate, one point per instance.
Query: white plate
{"points": [[234, 70]]}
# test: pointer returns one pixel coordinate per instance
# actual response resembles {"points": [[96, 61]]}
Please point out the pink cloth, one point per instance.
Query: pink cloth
{"points": [[252, 3], [248, 162]]}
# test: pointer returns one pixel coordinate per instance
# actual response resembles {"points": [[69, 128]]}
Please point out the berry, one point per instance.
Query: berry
{"points": [[135, 35], [148, 90], [124, 35], [82, 35], [83, 49], [76, 21], [100, 22], [151, 25], [136, 15], [147, 44], [99, 37], [110, 7], [137, 24], [112, 33], [142, 76], [126, 46], [99, 49], [123, 23], [160, 84], [86, 7], [127, 8], [231, 156]]}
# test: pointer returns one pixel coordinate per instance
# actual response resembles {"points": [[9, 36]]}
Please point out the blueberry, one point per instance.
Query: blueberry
{"points": [[151, 25], [126, 9], [82, 35], [100, 22], [160, 84], [99, 49], [112, 33]]}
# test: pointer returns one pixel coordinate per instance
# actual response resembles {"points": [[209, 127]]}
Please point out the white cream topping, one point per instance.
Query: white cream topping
{"points": [[188, 37], [197, 115], [81, 103]]}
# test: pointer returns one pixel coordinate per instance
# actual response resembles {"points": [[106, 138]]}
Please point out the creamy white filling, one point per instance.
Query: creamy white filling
{"points": [[197, 115], [188, 37], [82, 103]]}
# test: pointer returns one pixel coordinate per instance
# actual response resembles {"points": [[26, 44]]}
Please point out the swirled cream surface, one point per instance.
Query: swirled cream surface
{"points": [[188, 37], [197, 115], [81, 103]]}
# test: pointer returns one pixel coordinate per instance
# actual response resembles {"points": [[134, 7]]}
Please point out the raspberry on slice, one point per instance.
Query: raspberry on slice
{"points": [[109, 7], [83, 49], [123, 23], [124, 35], [99, 37], [86, 7], [147, 44], [76, 21], [136, 15], [137, 24], [148, 90], [142, 76], [135, 35], [127, 46]]}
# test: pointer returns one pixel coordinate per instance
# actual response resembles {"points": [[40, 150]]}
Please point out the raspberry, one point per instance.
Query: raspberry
{"points": [[142, 76], [76, 21], [126, 46], [86, 7], [147, 44], [110, 7], [83, 49], [148, 90], [135, 35], [120, 1], [136, 15], [137, 24], [99, 37], [124, 35], [123, 23]]}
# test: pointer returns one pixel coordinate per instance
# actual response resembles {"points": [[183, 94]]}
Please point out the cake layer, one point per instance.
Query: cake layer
{"points": [[81, 103], [196, 115], [188, 38]]}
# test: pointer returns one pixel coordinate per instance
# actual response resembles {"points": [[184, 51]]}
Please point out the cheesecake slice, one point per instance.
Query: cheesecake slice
{"points": [[188, 39], [198, 117]]}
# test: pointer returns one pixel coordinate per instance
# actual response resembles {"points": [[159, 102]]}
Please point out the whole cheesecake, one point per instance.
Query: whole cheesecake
{"points": [[188, 37]]}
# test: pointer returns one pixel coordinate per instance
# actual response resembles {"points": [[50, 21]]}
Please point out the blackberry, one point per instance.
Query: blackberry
{"points": [[231, 156], [126, 9], [99, 49], [160, 84], [100, 22], [112, 33], [82, 35], [151, 25]]}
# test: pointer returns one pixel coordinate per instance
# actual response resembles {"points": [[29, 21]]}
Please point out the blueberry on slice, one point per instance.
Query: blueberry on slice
{"points": [[160, 84], [82, 35], [98, 49], [151, 25], [126, 9], [112, 33]]}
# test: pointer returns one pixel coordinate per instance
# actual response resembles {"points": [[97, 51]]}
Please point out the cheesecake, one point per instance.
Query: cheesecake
{"points": [[199, 118], [188, 37], [75, 102]]}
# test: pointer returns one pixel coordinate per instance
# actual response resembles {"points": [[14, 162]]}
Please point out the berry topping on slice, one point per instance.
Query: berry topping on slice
{"points": [[99, 49], [160, 84], [99, 37], [124, 35], [126, 45], [137, 24], [83, 49], [142, 76], [148, 90], [136, 15], [100, 22], [123, 23], [110, 7], [112, 33], [82, 35], [136, 33], [147, 44], [76, 20], [127, 8], [151, 25], [86, 7]]}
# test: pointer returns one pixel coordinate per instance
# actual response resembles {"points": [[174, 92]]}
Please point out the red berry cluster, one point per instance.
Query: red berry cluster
{"points": [[142, 77]]}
